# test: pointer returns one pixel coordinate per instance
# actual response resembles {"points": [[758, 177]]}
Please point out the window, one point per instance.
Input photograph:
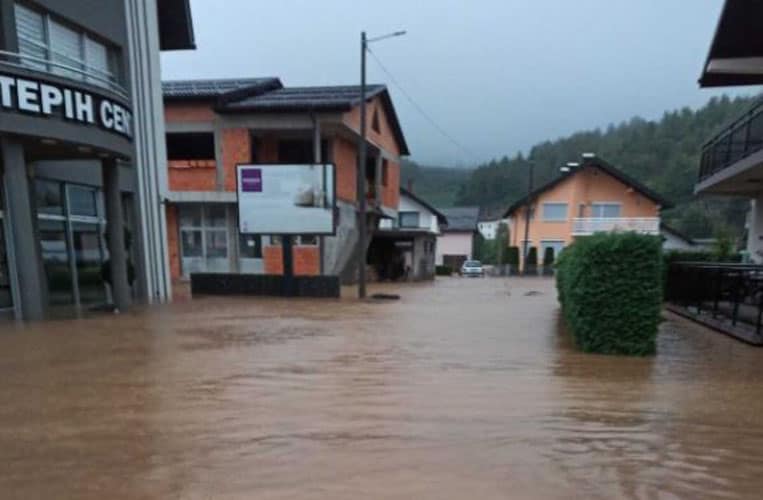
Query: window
{"points": [[385, 173], [250, 246], [375, 122], [408, 219], [605, 210], [554, 211], [82, 201], [30, 29], [204, 238], [61, 49], [49, 197], [191, 146]]}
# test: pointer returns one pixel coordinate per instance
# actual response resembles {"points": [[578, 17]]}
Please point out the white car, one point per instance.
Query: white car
{"points": [[472, 268]]}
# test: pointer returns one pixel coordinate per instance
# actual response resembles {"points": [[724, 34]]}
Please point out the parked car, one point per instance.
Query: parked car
{"points": [[472, 268]]}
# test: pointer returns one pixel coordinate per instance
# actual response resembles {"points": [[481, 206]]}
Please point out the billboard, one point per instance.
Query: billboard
{"points": [[286, 199]]}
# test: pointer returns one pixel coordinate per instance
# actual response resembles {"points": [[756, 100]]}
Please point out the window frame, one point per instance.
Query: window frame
{"points": [[595, 204], [546, 218], [402, 213]]}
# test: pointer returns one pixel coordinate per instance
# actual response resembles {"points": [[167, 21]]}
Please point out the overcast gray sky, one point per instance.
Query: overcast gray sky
{"points": [[497, 75]]}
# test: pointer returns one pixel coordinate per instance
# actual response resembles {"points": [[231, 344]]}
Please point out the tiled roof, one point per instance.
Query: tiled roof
{"points": [[603, 166], [341, 97], [203, 89], [461, 219], [252, 95]]}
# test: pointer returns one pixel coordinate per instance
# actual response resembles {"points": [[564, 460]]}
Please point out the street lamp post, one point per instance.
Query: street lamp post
{"points": [[362, 153]]}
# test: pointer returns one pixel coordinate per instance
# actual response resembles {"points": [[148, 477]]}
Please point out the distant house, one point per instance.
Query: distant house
{"points": [[406, 247], [590, 198], [456, 243], [673, 239], [488, 227]]}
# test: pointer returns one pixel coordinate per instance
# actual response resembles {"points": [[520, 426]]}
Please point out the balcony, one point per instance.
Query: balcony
{"points": [[583, 226], [88, 75], [725, 152], [725, 297]]}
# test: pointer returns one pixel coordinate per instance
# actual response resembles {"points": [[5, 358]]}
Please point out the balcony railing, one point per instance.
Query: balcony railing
{"points": [[738, 140], [46, 66], [588, 225], [727, 297]]}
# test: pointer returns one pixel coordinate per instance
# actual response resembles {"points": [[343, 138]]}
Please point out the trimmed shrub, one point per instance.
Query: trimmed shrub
{"points": [[511, 258], [531, 263], [548, 261], [610, 289], [443, 270]]}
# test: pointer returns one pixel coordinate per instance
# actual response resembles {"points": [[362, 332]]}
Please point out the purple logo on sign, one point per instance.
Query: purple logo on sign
{"points": [[251, 180]]}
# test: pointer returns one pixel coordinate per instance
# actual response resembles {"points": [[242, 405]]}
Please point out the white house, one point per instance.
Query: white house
{"points": [[406, 247], [456, 242], [489, 228]]}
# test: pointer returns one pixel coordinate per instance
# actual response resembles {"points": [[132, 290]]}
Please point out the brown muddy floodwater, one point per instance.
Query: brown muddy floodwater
{"points": [[464, 389]]}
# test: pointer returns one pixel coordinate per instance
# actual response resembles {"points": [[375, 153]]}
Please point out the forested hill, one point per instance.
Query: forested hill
{"points": [[663, 154]]}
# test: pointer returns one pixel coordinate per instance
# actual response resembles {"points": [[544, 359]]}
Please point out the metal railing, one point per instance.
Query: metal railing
{"points": [[730, 293], [590, 225], [734, 142], [46, 66]]}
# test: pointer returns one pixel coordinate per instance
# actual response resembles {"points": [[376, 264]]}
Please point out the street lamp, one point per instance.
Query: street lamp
{"points": [[361, 181]]}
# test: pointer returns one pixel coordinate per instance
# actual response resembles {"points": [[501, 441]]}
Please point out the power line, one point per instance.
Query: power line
{"points": [[418, 108]]}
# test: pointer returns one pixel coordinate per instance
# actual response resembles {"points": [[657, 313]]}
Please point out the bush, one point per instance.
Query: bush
{"points": [[443, 270], [548, 261], [610, 289], [531, 263], [511, 258]]}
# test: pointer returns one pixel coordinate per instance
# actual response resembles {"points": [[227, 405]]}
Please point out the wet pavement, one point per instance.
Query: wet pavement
{"points": [[462, 389]]}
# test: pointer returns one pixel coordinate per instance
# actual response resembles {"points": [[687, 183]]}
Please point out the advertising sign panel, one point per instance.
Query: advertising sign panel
{"points": [[286, 199]]}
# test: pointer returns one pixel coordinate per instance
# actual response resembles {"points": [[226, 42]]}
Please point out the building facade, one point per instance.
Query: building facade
{"points": [[215, 125], [732, 160], [592, 197], [405, 248], [455, 244], [74, 139]]}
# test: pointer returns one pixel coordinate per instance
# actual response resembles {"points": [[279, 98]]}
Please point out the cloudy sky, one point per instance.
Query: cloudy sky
{"points": [[496, 75]]}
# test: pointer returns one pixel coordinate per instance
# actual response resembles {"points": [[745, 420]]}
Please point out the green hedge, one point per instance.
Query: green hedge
{"points": [[443, 270], [531, 263], [610, 289]]}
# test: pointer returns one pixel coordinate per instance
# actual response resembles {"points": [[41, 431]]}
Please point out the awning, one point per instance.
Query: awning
{"points": [[736, 53], [175, 25]]}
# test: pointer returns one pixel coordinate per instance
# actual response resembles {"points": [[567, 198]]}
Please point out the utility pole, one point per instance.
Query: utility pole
{"points": [[362, 154], [528, 207]]}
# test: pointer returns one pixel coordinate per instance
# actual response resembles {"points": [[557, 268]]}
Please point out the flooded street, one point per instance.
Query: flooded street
{"points": [[462, 389]]}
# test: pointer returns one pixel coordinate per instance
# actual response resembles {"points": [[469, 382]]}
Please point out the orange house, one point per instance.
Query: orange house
{"points": [[591, 197], [214, 125]]}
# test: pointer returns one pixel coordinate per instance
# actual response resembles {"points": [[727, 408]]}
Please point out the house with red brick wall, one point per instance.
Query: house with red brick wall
{"points": [[215, 125]]}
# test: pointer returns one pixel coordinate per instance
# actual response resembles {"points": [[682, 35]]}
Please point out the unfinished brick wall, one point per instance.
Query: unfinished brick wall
{"points": [[188, 112], [173, 244], [236, 149], [391, 191], [192, 175], [346, 161], [306, 260]]}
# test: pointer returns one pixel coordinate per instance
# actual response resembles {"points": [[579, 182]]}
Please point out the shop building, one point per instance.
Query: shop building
{"points": [[78, 132], [214, 125]]}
